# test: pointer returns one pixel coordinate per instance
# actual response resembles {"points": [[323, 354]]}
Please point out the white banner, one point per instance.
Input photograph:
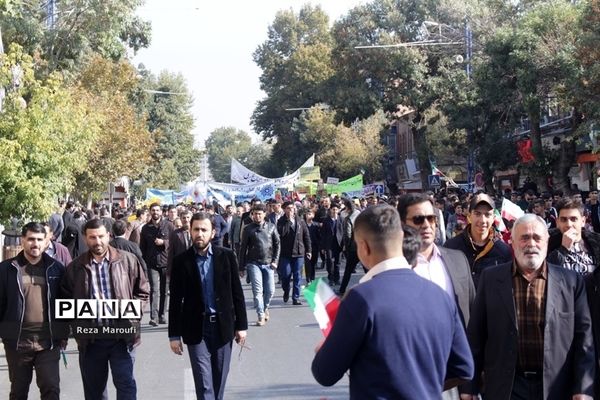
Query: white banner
{"points": [[241, 174]]}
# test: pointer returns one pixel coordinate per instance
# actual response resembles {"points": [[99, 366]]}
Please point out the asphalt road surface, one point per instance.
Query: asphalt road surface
{"points": [[276, 367]]}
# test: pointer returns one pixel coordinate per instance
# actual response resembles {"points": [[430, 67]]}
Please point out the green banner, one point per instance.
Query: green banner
{"points": [[353, 184], [310, 173]]}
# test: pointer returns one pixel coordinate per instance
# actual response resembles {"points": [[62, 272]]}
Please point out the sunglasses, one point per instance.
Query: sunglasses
{"points": [[420, 219]]}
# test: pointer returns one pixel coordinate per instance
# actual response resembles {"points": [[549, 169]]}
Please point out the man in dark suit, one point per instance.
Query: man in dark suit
{"points": [[180, 240], [207, 308], [119, 229], [447, 268], [330, 246], [530, 329]]}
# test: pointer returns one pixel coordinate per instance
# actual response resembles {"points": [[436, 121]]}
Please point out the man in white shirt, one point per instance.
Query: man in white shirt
{"points": [[447, 268]]}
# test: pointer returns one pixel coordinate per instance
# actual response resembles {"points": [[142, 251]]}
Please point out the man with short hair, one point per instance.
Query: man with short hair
{"points": [[220, 226], [575, 248], [393, 308], [119, 242], [331, 243], [594, 210], [235, 230], [180, 240], [530, 330], [539, 209], [259, 255], [207, 309], [295, 245], [154, 243], [135, 229], [55, 249], [32, 337], [448, 268], [478, 241], [105, 273], [57, 224]]}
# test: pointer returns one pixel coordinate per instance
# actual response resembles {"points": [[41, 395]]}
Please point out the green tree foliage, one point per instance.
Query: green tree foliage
{"points": [[46, 134], [341, 150], [125, 145], [296, 65], [167, 102], [82, 27], [226, 143]]}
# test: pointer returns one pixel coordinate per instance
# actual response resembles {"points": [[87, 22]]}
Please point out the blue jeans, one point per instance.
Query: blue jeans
{"points": [[263, 286], [290, 268], [94, 361]]}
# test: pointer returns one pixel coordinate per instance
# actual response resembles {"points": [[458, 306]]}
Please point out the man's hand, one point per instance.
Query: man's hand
{"points": [[308, 256], [242, 274], [63, 344], [240, 337], [568, 238], [176, 346], [159, 242], [273, 265], [319, 345], [581, 397], [465, 396]]}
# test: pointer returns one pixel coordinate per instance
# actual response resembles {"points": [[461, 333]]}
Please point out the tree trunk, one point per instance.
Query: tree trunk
{"points": [[566, 157], [538, 151], [420, 144]]}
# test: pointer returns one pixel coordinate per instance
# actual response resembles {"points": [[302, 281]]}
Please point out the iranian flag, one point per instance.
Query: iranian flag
{"points": [[500, 226], [510, 210], [323, 302]]}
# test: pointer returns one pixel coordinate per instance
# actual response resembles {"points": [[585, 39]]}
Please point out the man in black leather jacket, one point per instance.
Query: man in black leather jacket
{"points": [[259, 254]]}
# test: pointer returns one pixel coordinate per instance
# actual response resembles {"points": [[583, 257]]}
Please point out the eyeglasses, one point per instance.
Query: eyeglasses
{"points": [[420, 219]]}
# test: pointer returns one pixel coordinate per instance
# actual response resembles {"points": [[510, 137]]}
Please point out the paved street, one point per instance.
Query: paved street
{"points": [[276, 367]]}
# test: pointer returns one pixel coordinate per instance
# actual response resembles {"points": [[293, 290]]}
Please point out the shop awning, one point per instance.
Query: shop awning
{"points": [[588, 157]]}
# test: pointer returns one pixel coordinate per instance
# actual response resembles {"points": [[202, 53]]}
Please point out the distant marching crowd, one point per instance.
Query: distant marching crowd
{"points": [[543, 266]]}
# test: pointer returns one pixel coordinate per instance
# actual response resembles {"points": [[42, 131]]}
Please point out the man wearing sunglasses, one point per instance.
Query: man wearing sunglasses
{"points": [[448, 268]]}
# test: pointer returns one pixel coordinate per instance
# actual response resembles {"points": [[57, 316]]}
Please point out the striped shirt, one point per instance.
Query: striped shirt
{"points": [[530, 306], [100, 282]]}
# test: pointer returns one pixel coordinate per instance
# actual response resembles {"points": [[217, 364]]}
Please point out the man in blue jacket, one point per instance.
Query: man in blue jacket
{"points": [[32, 338], [399, 335]]}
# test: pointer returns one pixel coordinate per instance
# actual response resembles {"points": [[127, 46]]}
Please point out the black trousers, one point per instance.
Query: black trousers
{"points": [[210, 361], [158, 292], [332, 262], [527, 388], [20, 372], [351, 261]]}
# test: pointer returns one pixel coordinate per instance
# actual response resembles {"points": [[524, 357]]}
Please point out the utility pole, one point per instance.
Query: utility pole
{"points": [[469, 55], [50, 14]]}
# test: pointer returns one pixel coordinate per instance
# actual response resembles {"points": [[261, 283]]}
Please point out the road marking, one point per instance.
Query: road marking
{"points": [[189, 389]]}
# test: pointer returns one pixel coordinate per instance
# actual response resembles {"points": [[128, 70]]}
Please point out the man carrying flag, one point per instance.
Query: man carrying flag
{"points": [[392, 354]]}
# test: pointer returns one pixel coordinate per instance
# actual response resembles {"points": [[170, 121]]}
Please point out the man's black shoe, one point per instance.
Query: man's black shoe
{"points": [[297, 302], [153, 323], [162, 321], [286, 296]]}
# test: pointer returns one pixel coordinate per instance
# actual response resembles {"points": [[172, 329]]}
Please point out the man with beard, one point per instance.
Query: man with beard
{"points": [[530, 331], [105, 273], [29, 285], [207, 309], [180, 240], [154, 243], [259, 254]]}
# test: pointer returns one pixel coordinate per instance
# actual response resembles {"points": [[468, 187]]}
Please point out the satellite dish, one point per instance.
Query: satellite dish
{"points": [[459, 59]]}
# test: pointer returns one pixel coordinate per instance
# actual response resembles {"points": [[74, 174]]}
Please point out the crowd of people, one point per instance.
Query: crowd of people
{"points": [[515, 301]]}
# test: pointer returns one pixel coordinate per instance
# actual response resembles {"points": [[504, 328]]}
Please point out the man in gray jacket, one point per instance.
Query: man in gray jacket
{"points": [[259, 254]]}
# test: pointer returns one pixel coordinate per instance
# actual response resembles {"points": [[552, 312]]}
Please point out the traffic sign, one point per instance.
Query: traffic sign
{"points": [[379, 190], [434, 181]]}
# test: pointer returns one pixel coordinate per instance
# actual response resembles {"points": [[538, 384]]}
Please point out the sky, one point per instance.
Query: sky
{"points": [[210, 42]]}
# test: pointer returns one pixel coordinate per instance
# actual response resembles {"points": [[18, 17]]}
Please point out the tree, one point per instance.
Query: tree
{"points": [[340, 150], [167, 102], [296, 66], [125, 145], [46, 134], [82, 27], [226, 143]]}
